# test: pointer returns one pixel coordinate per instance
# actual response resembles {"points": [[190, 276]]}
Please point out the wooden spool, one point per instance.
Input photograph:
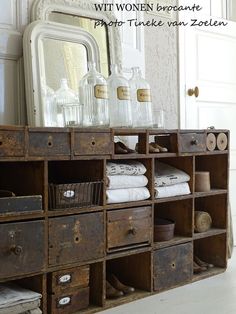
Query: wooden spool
{"points": [[222, 141], [202, 221], [211, 142], [202, 181]]}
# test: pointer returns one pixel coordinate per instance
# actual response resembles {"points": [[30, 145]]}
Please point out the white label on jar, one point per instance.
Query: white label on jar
{"points": [[144, 95], [64, 301], [65, 278], [123, 93], [100, 91], [69, 194]]}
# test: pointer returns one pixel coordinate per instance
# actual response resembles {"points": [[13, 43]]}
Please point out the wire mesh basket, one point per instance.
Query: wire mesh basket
{"points": [[71, 195]]}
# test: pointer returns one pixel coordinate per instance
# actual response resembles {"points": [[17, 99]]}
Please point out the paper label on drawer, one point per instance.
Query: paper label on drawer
{"points": [[100, 91], [144, 95], [65, 279], [69, 194], [123, 93], [64, 301]]}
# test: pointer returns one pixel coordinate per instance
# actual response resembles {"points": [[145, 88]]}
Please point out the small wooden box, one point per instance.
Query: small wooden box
{"points": [[192, 142], [45, 143], [61, 280], [12, 143], [20, 204], [21, 248], [173, 266], [92, 143], [69, 302], [129, 227], [76, 238]]}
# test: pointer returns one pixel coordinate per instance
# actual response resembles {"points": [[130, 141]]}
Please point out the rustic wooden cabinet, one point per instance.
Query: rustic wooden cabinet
{"points": [[64, 252]]}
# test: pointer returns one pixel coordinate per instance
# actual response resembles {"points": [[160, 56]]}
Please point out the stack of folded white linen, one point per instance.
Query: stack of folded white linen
{"points": [[170, 181], [17, 300], [126, 182]]}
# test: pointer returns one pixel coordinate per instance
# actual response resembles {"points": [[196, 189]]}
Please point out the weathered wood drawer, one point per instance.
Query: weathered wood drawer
{"points": [[92, 143], [128, 227], [76, 238], [42, 143], [69, 302], [192, 142], [12, 143], [173, 266], [21, 248], [60, 281], [20, 204]]}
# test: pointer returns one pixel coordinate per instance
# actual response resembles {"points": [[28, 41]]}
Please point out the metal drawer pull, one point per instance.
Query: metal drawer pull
{"points": [[133, 231], [194, 142], [64, 279], [64, 301], [17, 250]]}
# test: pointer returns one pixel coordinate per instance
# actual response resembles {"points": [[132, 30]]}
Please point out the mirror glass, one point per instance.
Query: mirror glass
{"points": [[62, 59], [99, 33]]}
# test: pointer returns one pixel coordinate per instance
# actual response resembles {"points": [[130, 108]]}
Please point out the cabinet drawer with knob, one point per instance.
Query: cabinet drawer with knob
{"points": [[60, 281], [92, 143], [12, 143], [129, 227], [44, 143], [21, 248], [70, 301], [192, 142], [172, 266]]}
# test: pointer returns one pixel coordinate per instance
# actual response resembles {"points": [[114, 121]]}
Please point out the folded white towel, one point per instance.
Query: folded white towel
{"points": [[119, 182], [127, 195], [166, 175], [130, 167], [172, 190]]}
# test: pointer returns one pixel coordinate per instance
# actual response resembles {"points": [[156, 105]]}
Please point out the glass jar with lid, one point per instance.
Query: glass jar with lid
{"points": [[141, 100], [69, 110], [94, 98], [119, 99]]}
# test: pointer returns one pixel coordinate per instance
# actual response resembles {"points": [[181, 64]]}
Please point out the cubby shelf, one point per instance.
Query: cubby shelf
{"points": [[116, 238]]}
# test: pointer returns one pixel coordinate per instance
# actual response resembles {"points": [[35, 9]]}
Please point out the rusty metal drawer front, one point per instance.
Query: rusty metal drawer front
{"points": [[60, 281], [173, 266], [49, 144], [93, 144], [192, 142], [12, 143], [69, 302], [76, 238], [129, 227], [21, 248]]}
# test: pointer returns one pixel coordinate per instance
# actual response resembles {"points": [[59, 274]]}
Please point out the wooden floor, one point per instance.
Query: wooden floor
{"points": [[216, 295]]}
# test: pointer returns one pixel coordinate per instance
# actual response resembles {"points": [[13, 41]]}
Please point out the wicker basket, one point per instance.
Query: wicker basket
{"points": [[71, 195]]}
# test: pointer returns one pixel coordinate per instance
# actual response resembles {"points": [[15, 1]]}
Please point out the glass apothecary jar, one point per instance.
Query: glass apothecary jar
{"points": [[94, 98], [119, 99], [69, 110], [49, 106], [141, 100]]}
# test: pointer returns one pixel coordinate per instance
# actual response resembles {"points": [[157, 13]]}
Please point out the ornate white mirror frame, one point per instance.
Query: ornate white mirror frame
{"points": [[41, 10], [33, 36]]}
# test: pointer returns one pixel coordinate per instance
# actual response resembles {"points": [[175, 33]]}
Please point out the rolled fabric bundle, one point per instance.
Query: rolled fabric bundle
{"points": [[202, 221], [222, 141], [127, 195], [123, 182], [211, 142], [202, 181]]}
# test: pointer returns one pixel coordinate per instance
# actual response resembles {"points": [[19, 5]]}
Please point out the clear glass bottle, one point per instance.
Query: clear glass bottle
{"points": [[49, 106], [69, 111], [119, 99], [141, 100], [94, 98]]}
